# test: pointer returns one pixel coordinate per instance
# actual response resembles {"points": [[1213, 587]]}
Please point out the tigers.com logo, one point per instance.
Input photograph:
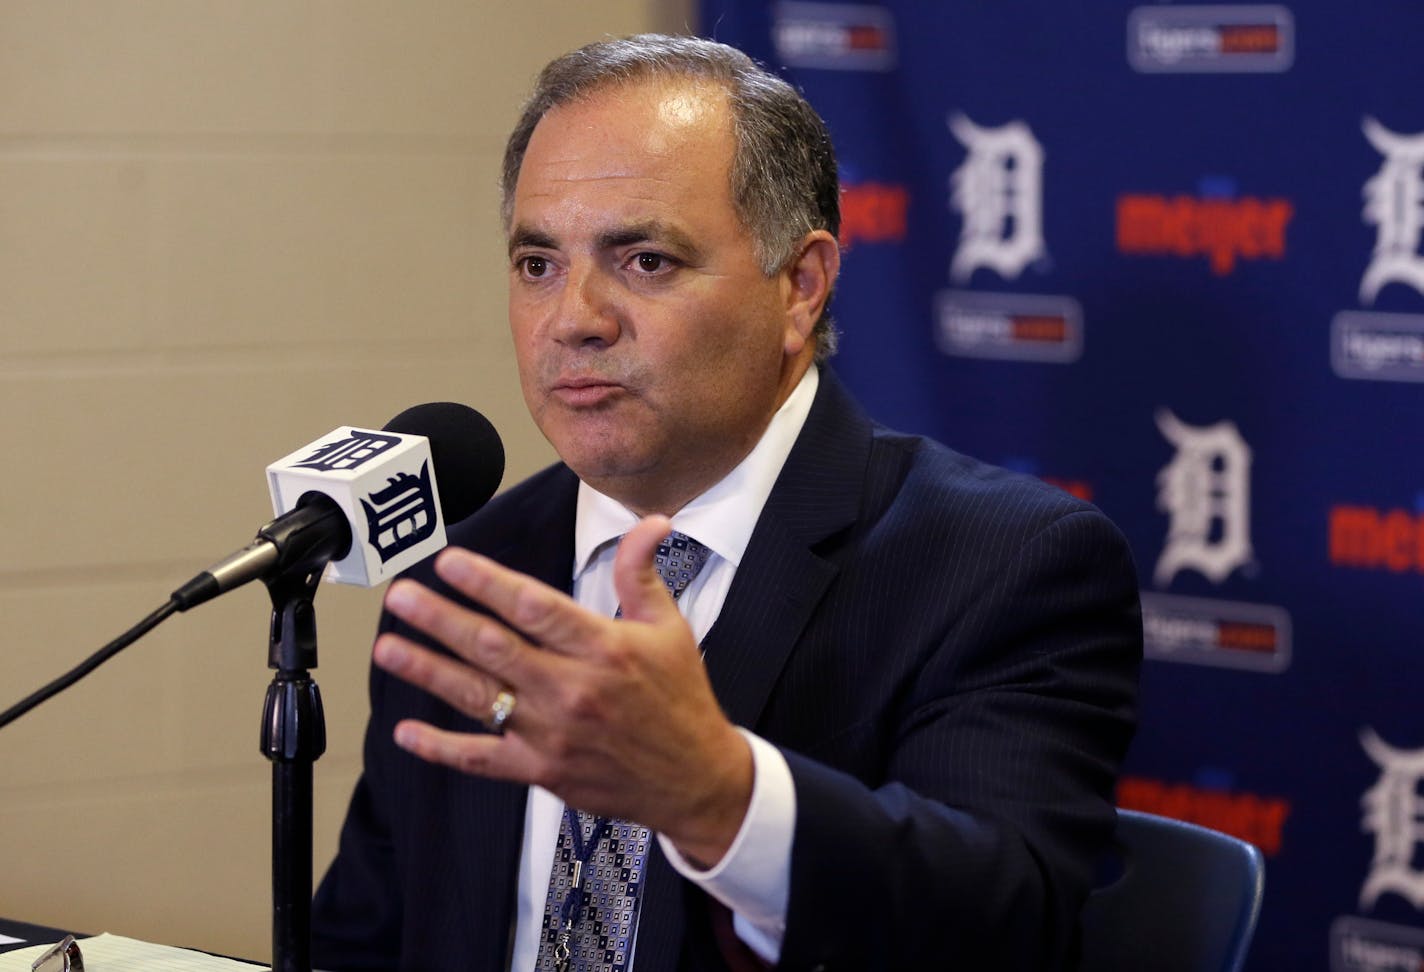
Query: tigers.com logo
{"points": [[1018, 327], [1223, 634], [834, 37], [1377, 346], [1214, 39]]}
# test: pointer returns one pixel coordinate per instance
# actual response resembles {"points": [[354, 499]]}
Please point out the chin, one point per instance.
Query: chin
{"points": [[594, 458], [597, 469]]}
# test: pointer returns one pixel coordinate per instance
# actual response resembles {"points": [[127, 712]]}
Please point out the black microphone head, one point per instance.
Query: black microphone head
{"points": [[466, 451]]}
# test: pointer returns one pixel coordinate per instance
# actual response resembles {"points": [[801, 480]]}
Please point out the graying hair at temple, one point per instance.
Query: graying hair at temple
{"points": [[784, 181]]}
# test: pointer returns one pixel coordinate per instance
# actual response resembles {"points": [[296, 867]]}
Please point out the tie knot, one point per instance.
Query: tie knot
{"points": [[678, 559]]}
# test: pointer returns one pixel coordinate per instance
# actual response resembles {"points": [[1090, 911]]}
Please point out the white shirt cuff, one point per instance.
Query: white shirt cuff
{"points": [[753, 878]]}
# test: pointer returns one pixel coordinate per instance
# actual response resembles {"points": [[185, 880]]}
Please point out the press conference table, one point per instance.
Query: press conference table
{"points": [[33, 935], [30, 934]]}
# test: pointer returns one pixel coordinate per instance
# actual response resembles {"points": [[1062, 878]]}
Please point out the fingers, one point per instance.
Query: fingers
{"points": [[481, 641], [512, 756], [479, 755], [641, 592], [589, 689], [549, 617], [461, 687]]}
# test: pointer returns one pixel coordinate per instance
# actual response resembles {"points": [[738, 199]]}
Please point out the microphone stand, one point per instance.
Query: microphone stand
{"points": [[293, 724], [293, 737]]}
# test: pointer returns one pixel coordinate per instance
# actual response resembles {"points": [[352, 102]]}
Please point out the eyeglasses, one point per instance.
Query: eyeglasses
{"points": [[64, 956]]}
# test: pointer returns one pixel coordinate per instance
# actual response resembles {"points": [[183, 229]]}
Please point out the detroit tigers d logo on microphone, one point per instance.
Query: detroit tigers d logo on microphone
{"points": [[402, 514], [385, 483], [399, 516], [347, 454]]}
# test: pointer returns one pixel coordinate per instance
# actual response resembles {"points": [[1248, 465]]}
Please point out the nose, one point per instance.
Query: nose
{"points": [[587, 311]]}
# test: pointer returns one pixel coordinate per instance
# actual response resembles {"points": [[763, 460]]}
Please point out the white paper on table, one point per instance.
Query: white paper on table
{"points": [[114, 953]]}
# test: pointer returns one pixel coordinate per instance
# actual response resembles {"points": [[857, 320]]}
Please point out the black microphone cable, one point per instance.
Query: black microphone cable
{"points": [[89, 664]]}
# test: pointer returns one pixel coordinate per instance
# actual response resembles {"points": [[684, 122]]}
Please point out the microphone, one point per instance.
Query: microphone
{"points": [[365, 504]]}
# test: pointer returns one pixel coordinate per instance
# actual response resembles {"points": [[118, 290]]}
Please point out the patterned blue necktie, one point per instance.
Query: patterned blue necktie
{"points": [[591, 913]]}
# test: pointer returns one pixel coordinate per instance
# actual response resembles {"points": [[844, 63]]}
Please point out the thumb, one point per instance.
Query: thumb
{"points": [[641, 592]]}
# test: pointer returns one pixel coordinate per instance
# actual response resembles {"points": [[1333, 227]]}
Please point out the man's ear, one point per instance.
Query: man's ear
{"points": [[809, 279]]}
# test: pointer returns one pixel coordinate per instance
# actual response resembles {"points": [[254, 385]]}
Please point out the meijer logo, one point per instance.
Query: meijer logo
{"points": [[1250, 816], [873, 212], [1223, 230], [1367, 538]]}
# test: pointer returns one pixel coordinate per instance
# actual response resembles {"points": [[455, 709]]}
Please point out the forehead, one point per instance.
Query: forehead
{"points": [[631, 148]]}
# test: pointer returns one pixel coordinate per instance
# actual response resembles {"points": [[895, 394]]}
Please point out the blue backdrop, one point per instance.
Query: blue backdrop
{"points": [[1169, 257]]}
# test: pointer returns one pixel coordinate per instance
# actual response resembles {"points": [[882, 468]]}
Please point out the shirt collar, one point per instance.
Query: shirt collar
{"points": [[724, 516]]}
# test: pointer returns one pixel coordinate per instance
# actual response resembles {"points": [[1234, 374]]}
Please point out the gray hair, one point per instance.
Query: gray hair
{"points": [[784, 182]]}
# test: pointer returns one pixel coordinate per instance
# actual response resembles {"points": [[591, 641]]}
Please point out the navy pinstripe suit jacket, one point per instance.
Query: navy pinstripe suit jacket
{"points": [[946, 653]]}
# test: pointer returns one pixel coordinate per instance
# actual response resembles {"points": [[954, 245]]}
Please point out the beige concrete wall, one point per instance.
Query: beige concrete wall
{"points": [[225, 228]]}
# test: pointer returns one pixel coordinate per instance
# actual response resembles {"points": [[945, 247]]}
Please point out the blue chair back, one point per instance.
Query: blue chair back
{"points": [[1187, 900]]}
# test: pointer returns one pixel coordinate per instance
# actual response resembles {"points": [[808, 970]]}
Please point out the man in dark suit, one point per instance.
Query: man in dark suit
{"points": [[919, 671]]}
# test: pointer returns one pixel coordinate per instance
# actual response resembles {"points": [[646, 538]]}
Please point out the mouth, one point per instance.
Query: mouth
{"points": [[584, 392]]}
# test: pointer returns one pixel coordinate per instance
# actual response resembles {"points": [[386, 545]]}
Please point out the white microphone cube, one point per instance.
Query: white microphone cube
{"points": [[385, 484]]}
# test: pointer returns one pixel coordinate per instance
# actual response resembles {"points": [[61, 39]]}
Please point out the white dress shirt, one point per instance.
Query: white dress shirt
{"points": [[753, 878]]}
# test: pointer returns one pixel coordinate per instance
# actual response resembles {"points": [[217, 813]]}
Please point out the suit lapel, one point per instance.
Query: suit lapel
{"points": [[773, 596], [544, 549], [784, 573], [780, 582]]}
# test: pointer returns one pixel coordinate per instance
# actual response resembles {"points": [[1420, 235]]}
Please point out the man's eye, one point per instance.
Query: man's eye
{"points": [[651, 262], [534, 266]]}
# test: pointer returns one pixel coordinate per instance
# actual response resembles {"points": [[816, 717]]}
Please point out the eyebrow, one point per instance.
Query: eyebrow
{"points": [[524, 236], [648, 231], [651, 230]]}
